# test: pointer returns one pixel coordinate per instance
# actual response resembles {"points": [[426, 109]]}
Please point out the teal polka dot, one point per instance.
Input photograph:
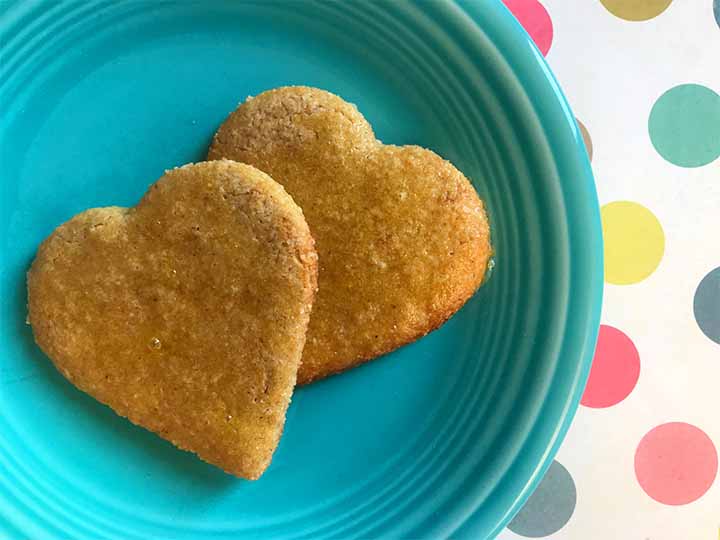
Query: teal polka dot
{"points": [[550, 507], [707, 305], [684, 125]]}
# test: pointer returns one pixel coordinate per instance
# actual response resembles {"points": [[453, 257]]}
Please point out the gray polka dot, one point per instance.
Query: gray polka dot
{"points": [[716, 11], [707, 305], [550, 507]]}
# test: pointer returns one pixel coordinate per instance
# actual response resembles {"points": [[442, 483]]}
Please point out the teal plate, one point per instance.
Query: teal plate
{"points": [[444, 438]]}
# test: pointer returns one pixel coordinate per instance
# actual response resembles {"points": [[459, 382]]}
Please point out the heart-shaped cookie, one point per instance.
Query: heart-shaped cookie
{"points": [[187, 313], [402, 237]]}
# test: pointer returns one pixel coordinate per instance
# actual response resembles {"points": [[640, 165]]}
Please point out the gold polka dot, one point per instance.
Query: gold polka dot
{"points": [[586, 138], [636, 10]]}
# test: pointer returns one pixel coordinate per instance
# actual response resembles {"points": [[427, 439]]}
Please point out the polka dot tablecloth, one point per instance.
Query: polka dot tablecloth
{"points": [[641, 459]]}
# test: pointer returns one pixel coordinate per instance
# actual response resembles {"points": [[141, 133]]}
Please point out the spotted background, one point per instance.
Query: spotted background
{"points": [[641, 459]]}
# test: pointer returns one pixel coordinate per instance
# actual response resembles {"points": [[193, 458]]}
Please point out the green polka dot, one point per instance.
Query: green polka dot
{"points": [[684, 125]]}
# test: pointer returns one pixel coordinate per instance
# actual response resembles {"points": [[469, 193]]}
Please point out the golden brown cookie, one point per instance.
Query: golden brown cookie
{"points": [[402, 237], [187, 313]]}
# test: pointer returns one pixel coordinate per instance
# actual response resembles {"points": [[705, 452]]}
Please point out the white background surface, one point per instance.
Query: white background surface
{"points": [[612, 72]]}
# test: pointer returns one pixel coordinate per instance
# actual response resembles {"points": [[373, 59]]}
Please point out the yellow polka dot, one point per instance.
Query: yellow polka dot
{"points": [[634, 242], [636, 10]]}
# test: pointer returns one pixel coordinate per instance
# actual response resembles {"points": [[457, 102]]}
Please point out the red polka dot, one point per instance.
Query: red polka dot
{"points": [[676, 463], [615, 369], [535, 19]]}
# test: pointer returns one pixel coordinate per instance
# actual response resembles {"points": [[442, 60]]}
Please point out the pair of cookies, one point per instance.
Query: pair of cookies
{"points": [[194, 313]]}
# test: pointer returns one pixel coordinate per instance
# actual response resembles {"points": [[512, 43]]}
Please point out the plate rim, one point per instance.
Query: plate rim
{"points": [[539, 80]]}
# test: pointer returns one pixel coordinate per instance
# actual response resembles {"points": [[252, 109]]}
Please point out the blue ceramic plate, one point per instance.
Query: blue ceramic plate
{"points": [[445, 437]]}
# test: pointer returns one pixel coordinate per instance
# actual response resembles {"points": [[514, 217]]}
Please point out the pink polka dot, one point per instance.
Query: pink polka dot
{"points": [[676, 463], [535, 19], [615, 369]]}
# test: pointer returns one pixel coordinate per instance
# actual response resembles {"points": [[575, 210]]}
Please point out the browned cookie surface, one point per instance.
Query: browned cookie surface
{"points": [[187, 313], [402, 237]]}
